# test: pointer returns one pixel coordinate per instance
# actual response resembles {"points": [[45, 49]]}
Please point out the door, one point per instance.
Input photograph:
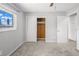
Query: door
{"points": [[41, 29], [62, 29]]}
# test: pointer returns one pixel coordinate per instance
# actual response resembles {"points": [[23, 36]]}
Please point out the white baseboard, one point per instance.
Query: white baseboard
{"points": [[50, 41], [30, 41], [15, 49]]}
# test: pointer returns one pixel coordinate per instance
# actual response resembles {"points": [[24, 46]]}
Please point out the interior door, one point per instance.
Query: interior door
{"points": [[41, 30], [62, 29]]}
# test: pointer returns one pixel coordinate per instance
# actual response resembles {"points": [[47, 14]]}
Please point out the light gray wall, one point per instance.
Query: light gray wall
{"points": [[10, 40], [51, 23]]}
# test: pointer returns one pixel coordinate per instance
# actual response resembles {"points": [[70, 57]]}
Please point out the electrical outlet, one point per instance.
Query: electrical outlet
{"points": [[0, 52]]}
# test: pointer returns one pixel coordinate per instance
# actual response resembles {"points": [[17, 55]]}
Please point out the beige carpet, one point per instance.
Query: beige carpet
{"points": [[47, 49]]}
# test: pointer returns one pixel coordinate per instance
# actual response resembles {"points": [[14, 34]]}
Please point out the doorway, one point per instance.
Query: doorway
{"points": [[40, 29]]}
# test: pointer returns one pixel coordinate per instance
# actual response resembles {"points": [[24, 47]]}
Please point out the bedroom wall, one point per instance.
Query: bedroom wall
{"points": [[10, 40], [51, 26]]}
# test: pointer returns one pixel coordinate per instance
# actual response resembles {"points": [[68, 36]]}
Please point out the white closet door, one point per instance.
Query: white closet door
{"points": [[62, 29]]}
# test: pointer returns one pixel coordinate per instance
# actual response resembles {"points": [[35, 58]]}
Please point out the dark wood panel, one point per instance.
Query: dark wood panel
{"points": [[41, 30]]}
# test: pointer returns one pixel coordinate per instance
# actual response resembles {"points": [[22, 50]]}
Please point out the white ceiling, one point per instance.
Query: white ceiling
{"points": [[44, 7]]}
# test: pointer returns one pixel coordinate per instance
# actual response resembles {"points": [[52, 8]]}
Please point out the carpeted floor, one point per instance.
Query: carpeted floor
{"points": [[47, 49]]}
